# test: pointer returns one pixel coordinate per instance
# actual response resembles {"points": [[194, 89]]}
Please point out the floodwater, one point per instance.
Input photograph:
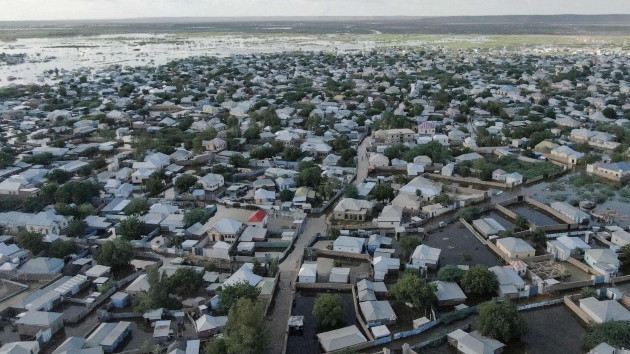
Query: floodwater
{"points": [[455, 240], [307, 343], [71, 53], [537, 217]]}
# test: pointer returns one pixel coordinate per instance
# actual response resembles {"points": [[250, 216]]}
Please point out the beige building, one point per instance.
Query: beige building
{"points": [[515, 247]]}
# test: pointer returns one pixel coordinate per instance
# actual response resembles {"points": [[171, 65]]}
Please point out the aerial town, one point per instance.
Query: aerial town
{"points": [[387, 201]]}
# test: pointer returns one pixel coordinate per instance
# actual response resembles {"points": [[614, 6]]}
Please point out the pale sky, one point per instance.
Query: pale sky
{"points": [[116, 9]]}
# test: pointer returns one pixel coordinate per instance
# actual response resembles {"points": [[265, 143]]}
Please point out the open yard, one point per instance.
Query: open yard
{"points": [[536, 216]]}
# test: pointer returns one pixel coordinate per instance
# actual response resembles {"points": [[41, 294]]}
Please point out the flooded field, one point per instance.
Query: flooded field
{"points": [[454, 241], [307, 343], [505, 222], [45, 54]]}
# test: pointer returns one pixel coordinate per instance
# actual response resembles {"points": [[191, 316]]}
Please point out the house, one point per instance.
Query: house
{"points": [[32, 322], [617, 172], [515, 247], [42, 265], [564, 247], [488, 227], [353, 209], [427, 128], [109, 336], [254, 234], [76, 345], [425, 257], [220, 250], [474, 343], [285, 183], [566, 155], [383, 265], [211, 182], [208, 326], [390, 217], [408, 202], [471, 156], [620, 238], [601, 311], [340, 338], [162, 331], [225, 229], [571, 212], [396, 136], [44, 222], [377, 313], [378, 160], [26, 347], [245, 274], [448, 293], [258, 219], [510, 283], [604, 261], [216, 144], [263, 196], [308, 273], [349, 244], [339, 275]]}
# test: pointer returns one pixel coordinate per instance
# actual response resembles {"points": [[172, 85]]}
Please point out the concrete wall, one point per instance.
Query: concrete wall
{"points": [[329, 253], [324, 286], [549, 210], [583, 266], [472, 181], [568, 286], [505, 211], [575, 308]]}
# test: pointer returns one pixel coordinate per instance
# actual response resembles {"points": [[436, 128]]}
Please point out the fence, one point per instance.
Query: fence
{"points": [[329, 253], [583, 266], [415, 331], [76, 318], [539, 304], [546, 208], [568, 286], [324, 286]]}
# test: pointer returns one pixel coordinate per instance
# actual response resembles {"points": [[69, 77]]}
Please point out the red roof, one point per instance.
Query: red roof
{"points": [[257, 216]]}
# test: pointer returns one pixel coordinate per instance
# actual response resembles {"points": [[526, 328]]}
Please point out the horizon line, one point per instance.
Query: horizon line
{"points": [[303, 17]]}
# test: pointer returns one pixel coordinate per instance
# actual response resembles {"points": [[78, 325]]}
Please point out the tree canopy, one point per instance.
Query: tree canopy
{"points": [[130, 228], [451, 273], [410, 288], [245, 331], [501, 320], [478, 280], [328, 310], [115, 253], [231, 294]]}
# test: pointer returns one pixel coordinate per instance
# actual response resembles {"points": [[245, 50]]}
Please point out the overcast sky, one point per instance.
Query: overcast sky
{"points": [[114, 9]]}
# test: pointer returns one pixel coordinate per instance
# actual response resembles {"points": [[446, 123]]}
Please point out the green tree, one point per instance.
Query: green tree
{"points": [[130, 228], [383, 192], [451, 273], [184, 182], [521, 222], [478, 280], [31, 240], [328, 310], [158, 294], [252, 133], [539, 237], [77, 228], [468, 213], [286, 195], [58, 176], [408, 243], [77, 192], [501, 320], [155, 182], [115, 253], [238, 160], [137, 207], [291, 153], [197, 215], [309, 177], [32, 205], [616, 333], [410, 288], [443, 199], [185, 281], [62, 249], [245, 331], [231, 294], [351, 191], [609, 112]]}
